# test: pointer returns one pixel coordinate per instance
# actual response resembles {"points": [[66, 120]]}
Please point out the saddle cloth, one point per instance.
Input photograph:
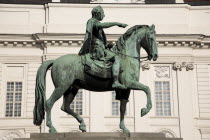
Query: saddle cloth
{"points": [[102, 69]]}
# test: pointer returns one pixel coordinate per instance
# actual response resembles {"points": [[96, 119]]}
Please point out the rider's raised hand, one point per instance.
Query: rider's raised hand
{"points": [[122, 25]]}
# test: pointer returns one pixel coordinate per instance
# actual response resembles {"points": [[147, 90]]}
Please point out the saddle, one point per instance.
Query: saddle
{"points": [[102, 69]]}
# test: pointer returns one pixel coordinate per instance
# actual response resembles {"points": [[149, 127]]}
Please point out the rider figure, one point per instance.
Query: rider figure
{"points": [[95, 43]]}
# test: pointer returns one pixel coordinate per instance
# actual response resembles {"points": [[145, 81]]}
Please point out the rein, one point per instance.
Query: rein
{"points": [[138, 58]]}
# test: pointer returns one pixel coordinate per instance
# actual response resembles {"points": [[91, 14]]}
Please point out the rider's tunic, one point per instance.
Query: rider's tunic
{"points": [[95, 41]]}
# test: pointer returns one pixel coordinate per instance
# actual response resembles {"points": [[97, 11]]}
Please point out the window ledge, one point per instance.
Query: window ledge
{"points": [[14, 118], [69, 116], [164, 117], [117, 116]]}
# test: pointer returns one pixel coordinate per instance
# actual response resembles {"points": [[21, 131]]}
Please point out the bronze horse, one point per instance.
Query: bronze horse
{"points": [[68, 77]]}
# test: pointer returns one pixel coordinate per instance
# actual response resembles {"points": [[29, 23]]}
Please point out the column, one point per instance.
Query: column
{"points": [[185, 82]]}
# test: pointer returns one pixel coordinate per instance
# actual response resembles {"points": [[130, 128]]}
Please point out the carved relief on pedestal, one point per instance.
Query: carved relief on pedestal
{"points": [[10, 135], [162, 71], [179, 66], [168, 134]]}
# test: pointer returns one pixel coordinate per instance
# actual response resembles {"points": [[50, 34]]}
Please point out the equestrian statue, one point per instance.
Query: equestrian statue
{"points": [[100, 67]]}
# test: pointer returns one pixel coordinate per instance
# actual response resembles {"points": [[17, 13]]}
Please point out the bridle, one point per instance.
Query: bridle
{"points": [[138, 58]]}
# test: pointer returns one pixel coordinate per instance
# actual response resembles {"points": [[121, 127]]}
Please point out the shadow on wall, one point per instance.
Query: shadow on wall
{"points": [[190, 2], [75, 1], [197, 2], [160, 1]]}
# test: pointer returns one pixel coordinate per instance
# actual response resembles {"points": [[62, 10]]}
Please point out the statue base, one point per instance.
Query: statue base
{"points": [[98, 136]]}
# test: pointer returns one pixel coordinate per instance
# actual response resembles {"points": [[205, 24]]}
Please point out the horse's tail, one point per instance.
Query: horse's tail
{"points": [[40, 98]]}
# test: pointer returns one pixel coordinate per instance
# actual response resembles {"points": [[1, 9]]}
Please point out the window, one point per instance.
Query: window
{"points": [[162, 94], [13, 99], [76, 105], [115, 105], [163, 90]]}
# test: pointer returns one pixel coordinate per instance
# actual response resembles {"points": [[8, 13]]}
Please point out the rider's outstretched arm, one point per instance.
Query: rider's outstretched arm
{"points": [[110, 24]]}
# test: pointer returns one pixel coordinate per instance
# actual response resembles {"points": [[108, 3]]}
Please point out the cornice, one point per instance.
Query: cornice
{"points": [[31, 6], [20, 59], [127, 5], [119, 5], [18, 40], [51, 39], [106, 5]]}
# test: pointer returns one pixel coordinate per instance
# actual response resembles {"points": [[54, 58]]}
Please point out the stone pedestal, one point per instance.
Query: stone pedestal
{"points": [[98, 136]]}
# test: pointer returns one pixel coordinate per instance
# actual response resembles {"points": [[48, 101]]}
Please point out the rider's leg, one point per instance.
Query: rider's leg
{"points": [[115, 71]]}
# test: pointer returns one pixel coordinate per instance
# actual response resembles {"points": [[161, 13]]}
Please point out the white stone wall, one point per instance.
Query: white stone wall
{"points": [[71, 18], [65, 23], [203, 90]]}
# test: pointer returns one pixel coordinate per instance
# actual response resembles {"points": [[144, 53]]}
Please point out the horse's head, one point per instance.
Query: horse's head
{"points": [[149, 43]]}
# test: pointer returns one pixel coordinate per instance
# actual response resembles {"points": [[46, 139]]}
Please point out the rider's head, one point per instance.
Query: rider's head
{"points": [[98, 13]]}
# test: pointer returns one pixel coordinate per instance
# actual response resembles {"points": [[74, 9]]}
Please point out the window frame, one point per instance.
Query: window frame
{"points": [[163, 101], [74, 109], [5, 79], [173, 89], [13, 100], [85, 105], [128, 105]]}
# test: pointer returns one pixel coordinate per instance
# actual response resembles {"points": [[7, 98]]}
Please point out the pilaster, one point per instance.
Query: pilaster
{"points": [[185, 101]]}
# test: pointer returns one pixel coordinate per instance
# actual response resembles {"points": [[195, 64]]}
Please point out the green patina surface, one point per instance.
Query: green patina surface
{"points": [[98, 67]]}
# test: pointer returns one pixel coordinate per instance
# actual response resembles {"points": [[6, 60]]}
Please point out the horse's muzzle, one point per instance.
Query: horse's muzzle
{"points": [[150, 56], [155, 57]]}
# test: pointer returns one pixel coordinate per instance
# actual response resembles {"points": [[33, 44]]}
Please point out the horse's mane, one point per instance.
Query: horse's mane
{"points": [[127, 34]]}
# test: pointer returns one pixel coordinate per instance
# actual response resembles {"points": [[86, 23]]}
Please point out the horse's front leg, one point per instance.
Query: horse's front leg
{"points": [[139, 86]]}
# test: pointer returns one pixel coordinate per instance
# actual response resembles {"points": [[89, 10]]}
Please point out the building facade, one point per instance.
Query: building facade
{"points": [[179, 80]]}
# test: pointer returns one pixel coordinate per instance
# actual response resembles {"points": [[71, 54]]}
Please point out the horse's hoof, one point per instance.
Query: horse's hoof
{"points": [[52, 130], [125, 130], [143, 112], [82, 128]]}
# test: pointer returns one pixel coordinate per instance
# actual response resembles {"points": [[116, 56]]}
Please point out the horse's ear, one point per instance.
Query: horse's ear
{"points": [[152, 26]]}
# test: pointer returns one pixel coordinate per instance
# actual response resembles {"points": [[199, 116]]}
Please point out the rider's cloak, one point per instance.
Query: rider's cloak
{"points": [[92, 30]]}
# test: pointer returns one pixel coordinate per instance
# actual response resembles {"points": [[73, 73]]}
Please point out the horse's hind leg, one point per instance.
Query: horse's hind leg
{"points": [[57, 93], [67, 100]]}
